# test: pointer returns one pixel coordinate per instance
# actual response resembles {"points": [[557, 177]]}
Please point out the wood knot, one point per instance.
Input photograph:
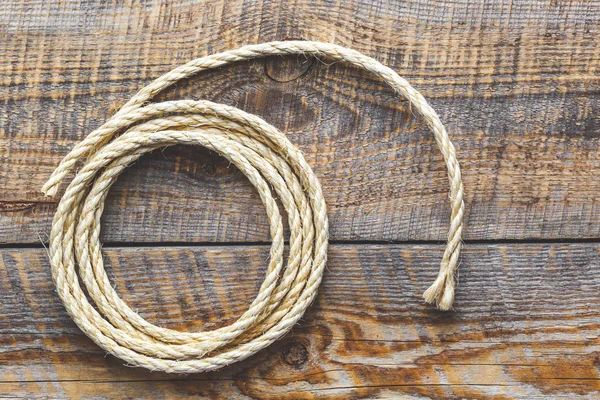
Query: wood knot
{"points": [[287, 68], [295, 354], [210, 169]]}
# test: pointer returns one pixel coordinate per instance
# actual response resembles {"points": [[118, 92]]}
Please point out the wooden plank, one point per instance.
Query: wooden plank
{"points": [[526, 325], [519, 184], [516, 86], [489, 49]]}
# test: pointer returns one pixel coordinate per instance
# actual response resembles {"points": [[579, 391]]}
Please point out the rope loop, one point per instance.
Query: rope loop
{"points": [[273, 165]]}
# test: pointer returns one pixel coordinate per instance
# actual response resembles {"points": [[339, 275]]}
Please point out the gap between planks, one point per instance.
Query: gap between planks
{"points": [[44, 244]]}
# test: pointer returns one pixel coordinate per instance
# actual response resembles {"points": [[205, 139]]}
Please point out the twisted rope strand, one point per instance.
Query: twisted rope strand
{"points": [[271, 163]]}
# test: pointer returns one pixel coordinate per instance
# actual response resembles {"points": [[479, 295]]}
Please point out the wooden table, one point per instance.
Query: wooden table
{"points": [[517, 85]]}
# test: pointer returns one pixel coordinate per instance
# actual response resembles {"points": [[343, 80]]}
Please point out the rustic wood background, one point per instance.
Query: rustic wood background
{"points": [[517, 85]]}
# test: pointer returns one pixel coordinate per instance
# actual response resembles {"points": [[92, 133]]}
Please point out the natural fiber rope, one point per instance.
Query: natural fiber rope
{"points": [[269, 160]]}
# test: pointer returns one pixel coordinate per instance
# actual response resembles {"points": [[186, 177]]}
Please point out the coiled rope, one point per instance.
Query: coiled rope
{"points": [[269, 160]]}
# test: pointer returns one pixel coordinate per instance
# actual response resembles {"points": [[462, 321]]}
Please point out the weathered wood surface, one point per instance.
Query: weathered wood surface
{"points": [[517, 85], [518, 331]]}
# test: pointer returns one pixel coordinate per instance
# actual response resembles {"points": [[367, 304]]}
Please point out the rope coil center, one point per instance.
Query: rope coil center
{"points": [[273, 165]]}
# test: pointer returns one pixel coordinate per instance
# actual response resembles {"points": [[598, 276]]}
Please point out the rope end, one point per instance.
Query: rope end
{"points": [[440, 293], [49, 190]]}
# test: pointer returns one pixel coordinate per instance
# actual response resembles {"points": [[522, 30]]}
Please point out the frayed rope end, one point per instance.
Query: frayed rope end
{"points": [[440, 294], [49, 190]]}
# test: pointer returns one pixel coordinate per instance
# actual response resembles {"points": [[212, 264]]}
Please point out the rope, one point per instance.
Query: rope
{"points": [[270, 161]]}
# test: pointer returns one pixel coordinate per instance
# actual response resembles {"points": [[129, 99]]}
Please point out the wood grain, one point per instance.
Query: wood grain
{"points": [[517, 85], [518, 95], [526, 325]]}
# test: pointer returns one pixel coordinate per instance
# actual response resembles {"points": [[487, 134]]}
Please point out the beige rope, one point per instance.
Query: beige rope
{"points": [[269, 160]]}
